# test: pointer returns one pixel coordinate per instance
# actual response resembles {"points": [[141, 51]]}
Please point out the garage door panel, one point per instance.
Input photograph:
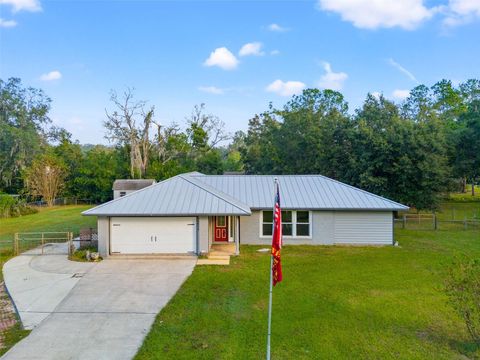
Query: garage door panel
{"points": [[174, 235], [363, 227]]}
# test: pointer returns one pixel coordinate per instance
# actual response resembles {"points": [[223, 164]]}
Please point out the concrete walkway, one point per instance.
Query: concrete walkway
{"points": [[89, 310]]}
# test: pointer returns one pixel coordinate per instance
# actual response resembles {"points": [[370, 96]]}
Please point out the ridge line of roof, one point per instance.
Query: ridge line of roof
{"points": [[219, 194]]}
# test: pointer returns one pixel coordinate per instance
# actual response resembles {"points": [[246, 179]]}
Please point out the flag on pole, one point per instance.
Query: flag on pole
{"points": [[277, 240]]}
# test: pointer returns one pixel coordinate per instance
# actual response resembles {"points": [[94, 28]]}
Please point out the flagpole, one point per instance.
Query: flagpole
{"points": [[271, 283]]}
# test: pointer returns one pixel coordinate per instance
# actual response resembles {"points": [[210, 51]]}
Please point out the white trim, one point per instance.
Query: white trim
{"points": [[294, 225]]}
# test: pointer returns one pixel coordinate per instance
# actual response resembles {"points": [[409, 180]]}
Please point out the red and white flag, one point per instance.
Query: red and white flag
{"points": [[277, 240]]}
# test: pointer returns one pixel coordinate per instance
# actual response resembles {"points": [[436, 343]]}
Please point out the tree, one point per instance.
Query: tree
{"points": [[23, 120], [205, 131], [468, 144], [129, 125], [45, 177], [398, 157], [462, 286], [99, 169]]}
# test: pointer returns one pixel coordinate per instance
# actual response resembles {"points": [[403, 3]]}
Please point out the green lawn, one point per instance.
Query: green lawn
{"points": [[334, 303]]}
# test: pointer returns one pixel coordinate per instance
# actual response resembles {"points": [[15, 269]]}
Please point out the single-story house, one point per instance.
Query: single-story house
{"points": [[188, 213], [122, 187]]}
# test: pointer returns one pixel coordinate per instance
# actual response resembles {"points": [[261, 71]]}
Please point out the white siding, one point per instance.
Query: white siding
{"points": [[366, 227]]}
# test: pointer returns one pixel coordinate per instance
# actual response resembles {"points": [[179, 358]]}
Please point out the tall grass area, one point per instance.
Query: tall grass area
{"points": [[334, 303]]}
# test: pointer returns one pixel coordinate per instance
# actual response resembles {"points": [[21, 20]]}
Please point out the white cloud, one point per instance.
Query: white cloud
{"points": [[254, 48], [277, 28], [52, 75], [373, 14], [18, 5], [332, 80], [403, 70], [7, 23], [286, 88], [275, 52], [211, 90], [461, 11], [223, 58], [400, 94]]}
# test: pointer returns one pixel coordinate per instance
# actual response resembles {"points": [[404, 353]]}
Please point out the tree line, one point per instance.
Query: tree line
{"points": [[413, 152]]}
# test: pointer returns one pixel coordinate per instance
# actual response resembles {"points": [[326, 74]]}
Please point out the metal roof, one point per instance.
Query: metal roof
{"points": [[313, 192], [198, 194], [181, 195], [132, 184]]}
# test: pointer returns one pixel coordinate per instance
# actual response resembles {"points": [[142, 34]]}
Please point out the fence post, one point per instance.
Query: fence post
{"points": [[15, 244], [435, 223]]}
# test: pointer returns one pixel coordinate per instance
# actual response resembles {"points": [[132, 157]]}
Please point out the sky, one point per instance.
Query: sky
{"points": [[234, 56]]}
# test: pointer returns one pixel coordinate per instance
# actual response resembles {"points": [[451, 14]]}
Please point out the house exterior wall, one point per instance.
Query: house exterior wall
{"points": [[329, 228], [203, 234], [103, 228]]}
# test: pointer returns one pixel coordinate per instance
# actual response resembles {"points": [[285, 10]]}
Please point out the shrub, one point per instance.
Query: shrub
{"points": [[463, 290], [13, 207]]}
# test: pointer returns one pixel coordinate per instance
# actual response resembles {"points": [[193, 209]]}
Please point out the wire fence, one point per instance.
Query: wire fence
{"points": [[63, 201], [436, 222], [42, 243]]}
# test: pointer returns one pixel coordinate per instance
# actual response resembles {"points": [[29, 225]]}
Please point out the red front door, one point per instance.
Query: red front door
{"points": [[221, 228]]}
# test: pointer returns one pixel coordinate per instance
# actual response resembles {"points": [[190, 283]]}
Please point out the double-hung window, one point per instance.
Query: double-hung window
{"points": [[295, 223]]}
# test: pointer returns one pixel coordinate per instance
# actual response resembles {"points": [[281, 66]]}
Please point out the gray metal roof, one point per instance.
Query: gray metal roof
{"points": [[198, 194], [298, 192], [181, 195], [132, 184]]}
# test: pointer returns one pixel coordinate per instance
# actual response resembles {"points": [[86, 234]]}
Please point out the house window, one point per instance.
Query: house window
{"points": [[123, 193], [303, 223], [294, 223], [287, 222]]}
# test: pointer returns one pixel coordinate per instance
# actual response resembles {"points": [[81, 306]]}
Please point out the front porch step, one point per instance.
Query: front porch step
{"points": [[213, 262], [218, 257]]}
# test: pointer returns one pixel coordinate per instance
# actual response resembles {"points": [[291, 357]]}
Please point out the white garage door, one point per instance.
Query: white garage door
{"points": [[366, 227], [153, 235]]}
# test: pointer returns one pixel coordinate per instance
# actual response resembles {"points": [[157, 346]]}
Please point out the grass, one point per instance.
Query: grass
{"points": [[11, 336], [334, 303], [467, 196]]}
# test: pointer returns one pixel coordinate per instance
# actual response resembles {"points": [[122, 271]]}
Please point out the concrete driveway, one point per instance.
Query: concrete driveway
{"points": [[105, 314]]}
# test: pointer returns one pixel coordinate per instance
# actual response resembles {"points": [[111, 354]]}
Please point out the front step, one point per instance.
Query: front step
{"points": [[213, 262], [218, 257]]}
